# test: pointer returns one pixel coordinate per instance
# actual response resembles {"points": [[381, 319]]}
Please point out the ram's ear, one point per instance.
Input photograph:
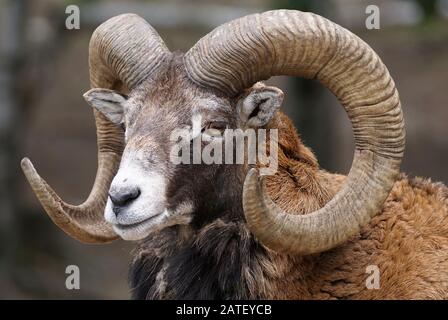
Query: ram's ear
{"points": [[259, 106], [109, 102]]}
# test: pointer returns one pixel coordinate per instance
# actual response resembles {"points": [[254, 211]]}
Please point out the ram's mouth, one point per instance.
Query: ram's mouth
{"points": [[140, 223], [139, 230]]}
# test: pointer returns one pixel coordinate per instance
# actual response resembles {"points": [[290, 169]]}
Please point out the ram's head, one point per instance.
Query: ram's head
{"points": [[141, 87]]}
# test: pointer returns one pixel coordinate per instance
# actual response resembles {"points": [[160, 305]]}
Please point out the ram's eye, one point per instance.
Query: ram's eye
{"points": [[215, 128], [123, 126]]}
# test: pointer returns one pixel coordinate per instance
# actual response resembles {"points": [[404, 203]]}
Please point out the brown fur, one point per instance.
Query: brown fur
{"points": [[408, 240]]}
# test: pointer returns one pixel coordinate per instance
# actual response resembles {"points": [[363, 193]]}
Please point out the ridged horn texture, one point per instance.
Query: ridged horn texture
{"points": [[123, 51], [236, 55]]}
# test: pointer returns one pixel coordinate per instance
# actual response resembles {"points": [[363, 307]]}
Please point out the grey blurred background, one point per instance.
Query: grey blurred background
{"points": [[44, 72]]}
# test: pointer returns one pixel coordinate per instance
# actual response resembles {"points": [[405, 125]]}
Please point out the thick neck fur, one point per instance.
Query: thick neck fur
{"points": [[212, 258]]}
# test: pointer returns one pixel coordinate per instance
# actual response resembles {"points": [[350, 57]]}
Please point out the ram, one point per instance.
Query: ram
{"points": [[225, 231]]}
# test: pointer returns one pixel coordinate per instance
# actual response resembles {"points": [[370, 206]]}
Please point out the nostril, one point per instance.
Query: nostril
{"points": [[124, 196]]}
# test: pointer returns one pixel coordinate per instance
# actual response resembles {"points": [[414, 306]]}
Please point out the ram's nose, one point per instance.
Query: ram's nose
{"points": [[123, 196]]}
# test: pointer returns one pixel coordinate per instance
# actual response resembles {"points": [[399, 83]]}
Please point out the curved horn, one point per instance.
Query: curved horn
{"points": [[256, 47], [123, 51]]}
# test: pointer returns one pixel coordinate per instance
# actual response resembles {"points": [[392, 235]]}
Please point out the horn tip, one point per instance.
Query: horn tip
{"points": [[252, 172], [30, 172], [26, 165], [251, 176]]}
